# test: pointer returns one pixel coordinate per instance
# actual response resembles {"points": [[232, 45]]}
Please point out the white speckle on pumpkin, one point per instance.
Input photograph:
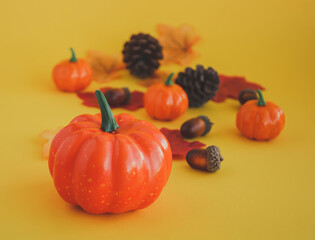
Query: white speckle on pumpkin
{"points": [[89, 180], [102, 185], [90, 191], [151, 194]]}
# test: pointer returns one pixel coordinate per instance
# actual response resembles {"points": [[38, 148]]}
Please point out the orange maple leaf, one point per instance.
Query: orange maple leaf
{"points": [[105, 67], [159, 76], [177, 43], [48, 136]]}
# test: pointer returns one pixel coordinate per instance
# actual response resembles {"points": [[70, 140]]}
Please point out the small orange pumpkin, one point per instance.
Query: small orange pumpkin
{"points": [[72, 75], [165, 101], [259, 120]]}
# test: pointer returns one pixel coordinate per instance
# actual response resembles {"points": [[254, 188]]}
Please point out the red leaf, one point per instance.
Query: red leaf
{"points": [[231, 86], [135, 102], [179, 146]]}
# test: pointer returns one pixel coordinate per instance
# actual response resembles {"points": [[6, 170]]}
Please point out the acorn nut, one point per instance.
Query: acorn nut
{"points": [[246, 95], [196, 127], [208, 159], [117, 96]]}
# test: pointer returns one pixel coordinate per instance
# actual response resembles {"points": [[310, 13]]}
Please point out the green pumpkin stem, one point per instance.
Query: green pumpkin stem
{"points": [[169, 81], [73, 57], [261, 101], [109, 123]]}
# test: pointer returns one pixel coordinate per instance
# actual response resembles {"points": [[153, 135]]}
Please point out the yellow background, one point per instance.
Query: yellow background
{"points": [[265, 190]]}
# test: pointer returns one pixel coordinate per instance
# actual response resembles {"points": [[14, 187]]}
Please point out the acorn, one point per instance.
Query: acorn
{"points": [[117, 96], [208, 159], [246, 95], [196, 127]]}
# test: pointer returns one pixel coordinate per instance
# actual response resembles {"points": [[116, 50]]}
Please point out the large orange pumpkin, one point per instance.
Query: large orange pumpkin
{"points": [[109, 169], [165, 101], [260, 120], [72, 75]]}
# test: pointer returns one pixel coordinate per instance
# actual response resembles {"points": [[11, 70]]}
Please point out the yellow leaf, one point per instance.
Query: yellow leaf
{"points": [[105, 67], [159, 76], [48, 136], [177, 43]]}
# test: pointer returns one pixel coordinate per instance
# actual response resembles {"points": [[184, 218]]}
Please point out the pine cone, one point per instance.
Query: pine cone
{"points": [[200, 85], [142, 54]]}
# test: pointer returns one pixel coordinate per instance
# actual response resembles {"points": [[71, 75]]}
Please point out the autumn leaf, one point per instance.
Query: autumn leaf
{"points": [[177, 43], [158, 77], [48, 136], [179, 146], [135, 102], [231, 86], [105, 67]]}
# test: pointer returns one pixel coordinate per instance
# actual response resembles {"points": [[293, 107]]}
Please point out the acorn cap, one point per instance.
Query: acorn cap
{"points": [[127, 95], [208, 124], [246, 95], [213, 158]]}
